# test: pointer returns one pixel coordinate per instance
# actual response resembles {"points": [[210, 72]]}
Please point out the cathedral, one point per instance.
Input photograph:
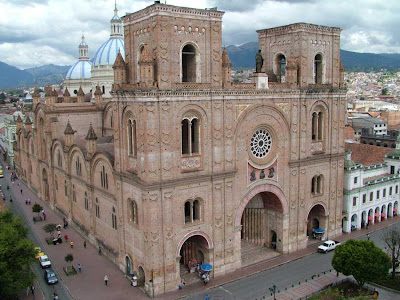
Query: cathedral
{"points": [[183, 165]]}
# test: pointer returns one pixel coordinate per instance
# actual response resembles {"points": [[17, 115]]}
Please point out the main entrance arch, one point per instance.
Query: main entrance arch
{"points": [[317, 218], [260, 218]]}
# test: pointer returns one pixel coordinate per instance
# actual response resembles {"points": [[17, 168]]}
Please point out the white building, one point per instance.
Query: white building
{"points": [[371, 185]]}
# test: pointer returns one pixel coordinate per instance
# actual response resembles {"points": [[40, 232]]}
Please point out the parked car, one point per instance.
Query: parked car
{"points": [[39, 252], [50, 276], [44, 261], [328, 246]]}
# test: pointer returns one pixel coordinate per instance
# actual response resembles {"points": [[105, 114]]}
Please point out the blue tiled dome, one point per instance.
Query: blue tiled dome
{"points": [[79, 70], [107, 53]]}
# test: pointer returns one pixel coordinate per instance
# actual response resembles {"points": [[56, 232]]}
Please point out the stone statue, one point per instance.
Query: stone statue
{"points": [[271, 172], [252, 175], [262, 174], [259, 61]]}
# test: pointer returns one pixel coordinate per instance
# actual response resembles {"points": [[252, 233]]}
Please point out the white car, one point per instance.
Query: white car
{"points": [[44, 261]]}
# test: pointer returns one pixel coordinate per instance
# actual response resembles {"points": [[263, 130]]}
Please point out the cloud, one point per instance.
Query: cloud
{"points": [[49, 31]]}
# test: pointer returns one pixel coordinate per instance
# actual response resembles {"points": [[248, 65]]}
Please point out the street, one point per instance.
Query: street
{"points": [[256, 286]]}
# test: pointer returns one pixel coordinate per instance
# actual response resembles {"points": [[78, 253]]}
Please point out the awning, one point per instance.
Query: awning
{"points": [[383, 215], [319, 230], [377, 215], [370, 218]]}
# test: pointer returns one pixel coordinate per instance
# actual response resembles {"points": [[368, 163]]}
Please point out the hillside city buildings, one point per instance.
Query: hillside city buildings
{"points": [[184, 166]]}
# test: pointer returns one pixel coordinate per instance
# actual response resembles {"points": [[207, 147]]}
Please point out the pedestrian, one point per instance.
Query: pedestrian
{"points": [[72, 244], [368, 237], [66, 237], [207, 297], [55, 296], [99, 250], [27, 291], [79, 267], [106, 280], [33, 289], [84, 244], [44, 216], [21, 189]]}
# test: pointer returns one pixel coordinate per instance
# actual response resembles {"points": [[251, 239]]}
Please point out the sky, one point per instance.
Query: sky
{"points": [[39, 32]]}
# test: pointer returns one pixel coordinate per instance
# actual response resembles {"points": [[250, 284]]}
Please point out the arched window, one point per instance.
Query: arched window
{"points": [[56, 182], [59, 160], [103, 88], [192, 211], [104, 178], [317, 126], [97, 208], [280, 67], [190, 136], [189, 63], [318, 69], [317, 185], [73, 193], [132, 148], [133, 214], [86, 201], [65, 188], [78, 167], [114, 218]]}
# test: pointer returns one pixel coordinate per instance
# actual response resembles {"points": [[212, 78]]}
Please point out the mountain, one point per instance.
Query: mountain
{"points": [[11, 76], [243, 57], [48, 74]]}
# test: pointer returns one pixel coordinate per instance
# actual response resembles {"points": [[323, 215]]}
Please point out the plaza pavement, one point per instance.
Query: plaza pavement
{"points": [[89, 284]]}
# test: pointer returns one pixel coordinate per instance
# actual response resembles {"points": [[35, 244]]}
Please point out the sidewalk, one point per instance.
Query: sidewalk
{"points": [[95, 267], [89, 284]]}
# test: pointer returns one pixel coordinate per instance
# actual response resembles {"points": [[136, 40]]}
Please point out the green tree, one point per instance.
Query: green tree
{"points": [[2, 96], [16, 254], [362, 259], [36, 208], [391, 237], [69, 258], [385, 91], [50, 228]]}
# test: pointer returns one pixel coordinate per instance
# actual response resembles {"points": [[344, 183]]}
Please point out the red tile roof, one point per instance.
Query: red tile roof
{"points": [[367, 155]]}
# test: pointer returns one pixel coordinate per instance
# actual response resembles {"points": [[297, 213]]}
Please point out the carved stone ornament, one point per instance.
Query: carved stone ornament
{"points": [[190, 163], [262, 174], [253, 176], [271, 172]]}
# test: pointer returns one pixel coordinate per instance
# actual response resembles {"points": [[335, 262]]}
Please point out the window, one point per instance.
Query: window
{"points": [[73, 193], [390, 191], [132, 209], [86, 201], [104, 178], [190, 136], [397, 189], [355, 179], [114, 219], [56, 182], [377, 194], [97, 208], [59, 160], [132, 148], [391, 169], [192, 211], [189, 63], [354, 201], [371, 196], [317, 126], [280, 62], [318, 69], [316, 185], [78, 167], [65, 188], [364, 198]]}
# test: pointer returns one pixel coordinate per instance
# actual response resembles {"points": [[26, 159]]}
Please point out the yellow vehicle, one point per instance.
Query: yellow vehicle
{"points": [[1, 173], [39, 252]]}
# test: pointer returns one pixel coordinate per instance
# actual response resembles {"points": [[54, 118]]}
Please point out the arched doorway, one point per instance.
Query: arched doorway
{"points": [[395, 208], [141, 277], [194, 250], [383, 212], [354, 220], [390, 210], [273, 239], [364, 219], [45, 185], [377, 215], [345, 224], [317, 218], [280, 63], [127, 266]]}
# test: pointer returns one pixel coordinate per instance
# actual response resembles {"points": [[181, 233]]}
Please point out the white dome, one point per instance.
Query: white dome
{"points": [[80, 70], [108, 52]]}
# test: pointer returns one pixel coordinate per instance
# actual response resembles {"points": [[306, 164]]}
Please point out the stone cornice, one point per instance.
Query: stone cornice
{"points": [[300, 27], [133, 179], [159, 9], [316, 159]]}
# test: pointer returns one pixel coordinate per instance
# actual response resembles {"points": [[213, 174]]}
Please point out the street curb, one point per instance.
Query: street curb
{"points": [[384, 287]]}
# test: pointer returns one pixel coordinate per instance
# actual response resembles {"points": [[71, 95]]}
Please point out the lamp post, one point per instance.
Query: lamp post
{"points": [[273, 290]]}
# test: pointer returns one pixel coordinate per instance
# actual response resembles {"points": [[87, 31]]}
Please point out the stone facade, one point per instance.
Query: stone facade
{"points": [[182, 153]]}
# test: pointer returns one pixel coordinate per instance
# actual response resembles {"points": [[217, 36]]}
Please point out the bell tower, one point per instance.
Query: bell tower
{"points": [[308, 53], [185, 43]]}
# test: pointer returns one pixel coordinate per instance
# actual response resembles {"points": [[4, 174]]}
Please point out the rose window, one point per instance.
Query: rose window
{"points": [[260, 143]]}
